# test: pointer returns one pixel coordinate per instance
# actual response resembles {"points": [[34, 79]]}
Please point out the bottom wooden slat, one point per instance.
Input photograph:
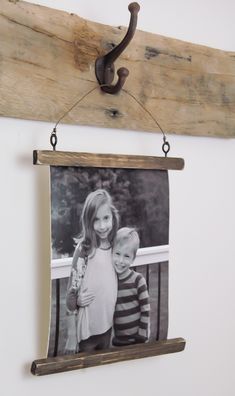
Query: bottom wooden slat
{"points": [[64, 158], [84, 360]]}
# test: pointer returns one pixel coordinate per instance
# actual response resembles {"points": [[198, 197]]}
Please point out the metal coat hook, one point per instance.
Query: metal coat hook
{"points": [[104, 66]]}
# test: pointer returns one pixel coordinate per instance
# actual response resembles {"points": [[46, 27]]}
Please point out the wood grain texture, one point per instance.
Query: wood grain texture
{"points": [[85, 360], [47, 61], [62, 158]]}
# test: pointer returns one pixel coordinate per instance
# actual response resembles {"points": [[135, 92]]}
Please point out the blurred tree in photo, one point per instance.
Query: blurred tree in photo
{"points": [[141, 197]]}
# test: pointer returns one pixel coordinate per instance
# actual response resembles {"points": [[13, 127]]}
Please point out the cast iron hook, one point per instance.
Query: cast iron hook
{"points": [[104, 66]]}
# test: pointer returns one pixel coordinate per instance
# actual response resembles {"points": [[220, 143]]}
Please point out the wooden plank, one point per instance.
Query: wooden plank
{"points": [[47, 61], [64, 158], [85, 360]]}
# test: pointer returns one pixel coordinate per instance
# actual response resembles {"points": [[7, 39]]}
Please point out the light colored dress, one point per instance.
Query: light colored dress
{"points": [[101, 280]]}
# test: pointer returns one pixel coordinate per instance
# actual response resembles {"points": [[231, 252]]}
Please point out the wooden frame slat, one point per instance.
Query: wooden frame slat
{"points": [[84, 360], [62, 158]]}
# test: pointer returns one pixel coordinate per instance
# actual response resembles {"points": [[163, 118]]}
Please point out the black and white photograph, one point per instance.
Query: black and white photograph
{"points": [[109, 258]]}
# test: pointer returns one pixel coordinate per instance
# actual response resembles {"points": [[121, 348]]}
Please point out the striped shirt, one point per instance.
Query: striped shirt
{"points": [[132, 311]]}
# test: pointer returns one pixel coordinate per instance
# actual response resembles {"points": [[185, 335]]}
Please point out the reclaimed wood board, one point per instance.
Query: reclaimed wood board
{"points": [[47, 59]]}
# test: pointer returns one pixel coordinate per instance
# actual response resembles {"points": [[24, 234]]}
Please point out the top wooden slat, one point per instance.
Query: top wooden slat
{"points": [[62, 158], [47, 61]]}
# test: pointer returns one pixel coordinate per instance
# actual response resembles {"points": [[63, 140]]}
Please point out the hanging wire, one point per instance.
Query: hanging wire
{"points": [[54, 139], [147, 111], [166, 145]]}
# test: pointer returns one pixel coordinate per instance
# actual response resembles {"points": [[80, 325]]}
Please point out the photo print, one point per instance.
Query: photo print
{"points": [[109, 258]]}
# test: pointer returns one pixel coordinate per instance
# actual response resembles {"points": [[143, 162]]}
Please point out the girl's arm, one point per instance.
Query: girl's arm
{"points": [[71, 299], [144, 323], [75, 280]]}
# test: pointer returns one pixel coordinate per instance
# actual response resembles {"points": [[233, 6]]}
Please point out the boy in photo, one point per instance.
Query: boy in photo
{"points": [[132, 311]]}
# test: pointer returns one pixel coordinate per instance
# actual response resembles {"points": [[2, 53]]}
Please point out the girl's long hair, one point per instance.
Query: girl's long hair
{"points": [[88, 239]]}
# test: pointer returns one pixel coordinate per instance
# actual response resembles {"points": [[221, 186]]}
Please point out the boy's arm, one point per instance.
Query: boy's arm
{"points": [[144, 323]]}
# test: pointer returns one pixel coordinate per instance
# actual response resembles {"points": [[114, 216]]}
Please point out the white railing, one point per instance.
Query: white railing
{"points": [[60, 268]]}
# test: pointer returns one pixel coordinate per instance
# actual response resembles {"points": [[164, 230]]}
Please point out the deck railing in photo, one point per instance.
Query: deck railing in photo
{"points": [[60, 268]]}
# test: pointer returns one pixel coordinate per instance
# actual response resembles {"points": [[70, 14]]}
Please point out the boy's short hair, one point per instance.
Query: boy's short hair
{"points": [[128, 235]]}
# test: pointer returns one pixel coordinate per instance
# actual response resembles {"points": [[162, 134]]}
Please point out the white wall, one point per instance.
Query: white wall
{"points": [[202, 256]]}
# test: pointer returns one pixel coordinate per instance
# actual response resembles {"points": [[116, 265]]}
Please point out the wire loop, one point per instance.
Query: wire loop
{"points": [[166, 146], [53, 139]]}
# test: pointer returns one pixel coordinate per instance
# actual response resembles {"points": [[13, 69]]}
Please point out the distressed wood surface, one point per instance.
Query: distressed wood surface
{"points": [[85, 360], [65, 158], [47, 61]]}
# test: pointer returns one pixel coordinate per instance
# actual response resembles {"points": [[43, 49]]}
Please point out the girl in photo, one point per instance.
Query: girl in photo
{"points": [[92, 288]]}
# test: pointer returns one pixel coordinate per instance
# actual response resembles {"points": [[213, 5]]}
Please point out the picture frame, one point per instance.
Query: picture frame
{"points": [[80, 360]]}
